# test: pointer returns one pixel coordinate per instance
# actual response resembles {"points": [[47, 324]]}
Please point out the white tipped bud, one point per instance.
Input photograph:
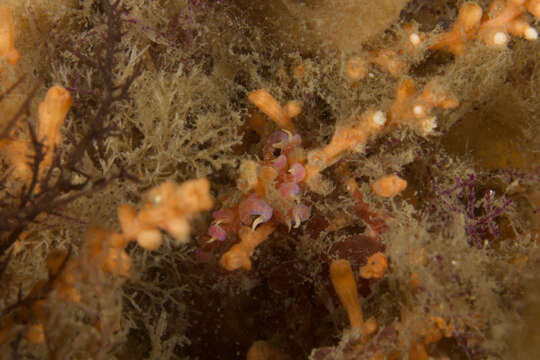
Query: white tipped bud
{"points": [[520, 27], [531, 34], [415, 39], [419, 111], [495, 37], [379, 118], [500, 38]]}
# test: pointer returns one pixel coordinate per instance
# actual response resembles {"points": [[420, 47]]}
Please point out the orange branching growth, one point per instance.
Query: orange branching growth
{"points": [[238, 256], [415, 109], [104, 250], [17, 154], [375, 268], [344, 283], [389, 186], [388, 60], [501, 18], [464, 29], [270, 187], [269, 105], [168, 207], [533, 6], [8, 52], [147, 236], [52, 112], [346, 137], [507, 16]]}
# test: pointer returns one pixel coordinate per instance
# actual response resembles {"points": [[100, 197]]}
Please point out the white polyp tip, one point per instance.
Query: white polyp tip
{"points": [[414, 39], [379, 118], [500, 38], [531, 34], [419, 111]]}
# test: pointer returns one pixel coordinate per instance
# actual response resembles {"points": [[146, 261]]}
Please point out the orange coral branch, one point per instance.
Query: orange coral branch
{"points": [[352, 137], [169, 207], [238, 256], [7, 37], [344, 283], [270, 106]]}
